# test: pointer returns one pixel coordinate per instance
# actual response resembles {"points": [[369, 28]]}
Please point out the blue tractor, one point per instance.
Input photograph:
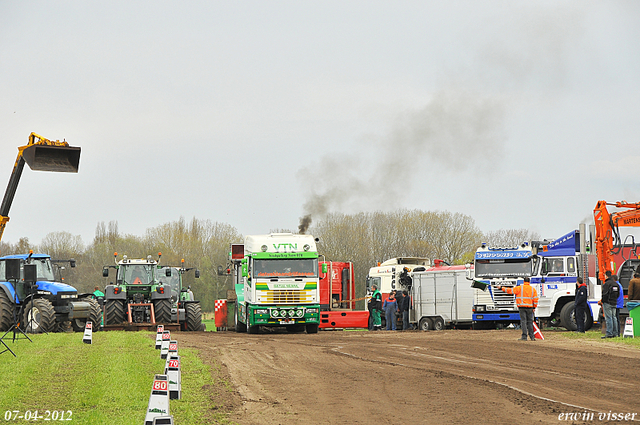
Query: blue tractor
{"points": [[46, 305]]}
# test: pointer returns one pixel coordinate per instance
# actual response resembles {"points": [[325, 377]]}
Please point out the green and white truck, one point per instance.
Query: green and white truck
{"points": [[276, 282]]}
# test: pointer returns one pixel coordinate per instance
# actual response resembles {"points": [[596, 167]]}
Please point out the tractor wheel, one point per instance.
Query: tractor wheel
{"points": [[193, 314], [162, 310], [95, 316], [113, 312], [6, 312], [39, 316]]}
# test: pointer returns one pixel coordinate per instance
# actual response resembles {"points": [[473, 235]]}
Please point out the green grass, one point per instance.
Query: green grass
{"points": [[596, 335], [107, 382]]}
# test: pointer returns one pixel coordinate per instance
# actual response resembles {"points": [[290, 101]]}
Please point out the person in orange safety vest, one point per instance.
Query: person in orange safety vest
{"points": [[527, 301]]}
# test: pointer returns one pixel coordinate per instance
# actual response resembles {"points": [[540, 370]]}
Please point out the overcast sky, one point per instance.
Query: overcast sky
{"points": [[254, 113]]}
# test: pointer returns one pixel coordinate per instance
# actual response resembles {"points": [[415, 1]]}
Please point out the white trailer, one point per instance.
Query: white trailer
{"points": [[441, 297]]}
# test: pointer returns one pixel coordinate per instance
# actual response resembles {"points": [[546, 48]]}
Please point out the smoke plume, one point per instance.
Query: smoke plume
{"points": [[455, 129]]}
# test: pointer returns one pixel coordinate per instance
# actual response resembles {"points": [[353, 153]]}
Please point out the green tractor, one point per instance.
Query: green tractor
{"points": [[138, 297], [184, 308]]}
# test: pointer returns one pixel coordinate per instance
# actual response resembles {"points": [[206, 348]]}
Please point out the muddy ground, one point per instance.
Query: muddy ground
{"points": [[447, 377]]}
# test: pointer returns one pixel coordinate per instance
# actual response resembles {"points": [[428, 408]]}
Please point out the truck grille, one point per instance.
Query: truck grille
{"points": [[285, 297], [502, 300]]}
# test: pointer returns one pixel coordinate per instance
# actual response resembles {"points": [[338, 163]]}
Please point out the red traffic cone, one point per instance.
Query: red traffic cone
{"points": [[536, 332]]}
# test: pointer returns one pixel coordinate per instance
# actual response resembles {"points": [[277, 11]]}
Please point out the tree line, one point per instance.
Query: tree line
{"points": [[364, 239]]}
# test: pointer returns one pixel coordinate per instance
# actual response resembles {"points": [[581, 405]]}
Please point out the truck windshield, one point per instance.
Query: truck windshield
{"points": [[299, 267], [503, 268], [136, 274]]}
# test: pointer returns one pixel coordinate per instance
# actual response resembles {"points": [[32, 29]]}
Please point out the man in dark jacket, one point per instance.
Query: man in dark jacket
{"points": [[608, 302], [406, 305], [634, 287], [581, 304]]}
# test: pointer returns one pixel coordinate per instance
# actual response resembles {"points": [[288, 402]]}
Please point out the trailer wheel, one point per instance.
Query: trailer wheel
{"points": [[312, 328], [438, 324], [162, 310], [193, 314], [425, 324], [95, 316], [39, 316], [240, 327], [113, 312], [6, 309], [568, 316]]}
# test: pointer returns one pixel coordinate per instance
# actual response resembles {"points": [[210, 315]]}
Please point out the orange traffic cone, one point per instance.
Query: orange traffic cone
{"points": [[536, 332]]}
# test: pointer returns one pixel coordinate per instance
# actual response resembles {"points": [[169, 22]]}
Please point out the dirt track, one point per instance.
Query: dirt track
{"points": [[448, 377]]}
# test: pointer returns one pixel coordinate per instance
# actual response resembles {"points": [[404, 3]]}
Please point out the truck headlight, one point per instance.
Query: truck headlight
{"points": [[262, 311], [480, 308]]}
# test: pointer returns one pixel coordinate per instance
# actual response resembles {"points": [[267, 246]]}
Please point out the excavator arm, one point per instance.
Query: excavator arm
{"points": [[607, 235], [41, 155]]}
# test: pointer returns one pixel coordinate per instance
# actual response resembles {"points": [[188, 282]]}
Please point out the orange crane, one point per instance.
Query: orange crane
{"points": [[607, 236]]}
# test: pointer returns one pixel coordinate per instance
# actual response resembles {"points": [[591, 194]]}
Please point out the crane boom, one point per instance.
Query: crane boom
{"points": [[40, 154], [607, 230]]}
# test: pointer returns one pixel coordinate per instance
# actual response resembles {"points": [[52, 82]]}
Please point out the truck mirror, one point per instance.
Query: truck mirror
{"points": [[197, 273], [105, 272], [219, 270], [72, 263], [324, 268], [245, 270], [168, 272], [543, 269]]}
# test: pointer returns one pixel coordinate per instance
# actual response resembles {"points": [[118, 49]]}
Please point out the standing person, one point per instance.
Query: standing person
{"points": [[390, 307], [581, 304], [527, 301], [608, 302], [400, 301], [619, 302], [406, 305], [634, 287], [375, 306], [98, 293]]}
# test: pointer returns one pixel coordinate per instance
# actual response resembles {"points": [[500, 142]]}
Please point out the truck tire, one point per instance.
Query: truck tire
{"points": [[568, 316], [39, 316], [114, 312], [253, 329], [312, 328], [438, 324], [162, 310], [425, 324], [95, 316], [477, 326], [240, 327], [193, 314], [6, 312]]}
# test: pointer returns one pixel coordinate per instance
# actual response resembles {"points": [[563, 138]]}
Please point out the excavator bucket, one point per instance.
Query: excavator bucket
{"points": [[65, 159]]}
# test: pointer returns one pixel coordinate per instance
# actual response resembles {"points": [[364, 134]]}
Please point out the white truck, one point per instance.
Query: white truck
{"points": [[276, 282], [556, 269], [441, 297], [495, 266]]}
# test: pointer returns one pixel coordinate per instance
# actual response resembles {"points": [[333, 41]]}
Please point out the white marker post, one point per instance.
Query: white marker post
{"points": [[158, 400], [88, 333], [173, 375], [173, 348], [159, 336], [628, 328], [164, 348]]}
